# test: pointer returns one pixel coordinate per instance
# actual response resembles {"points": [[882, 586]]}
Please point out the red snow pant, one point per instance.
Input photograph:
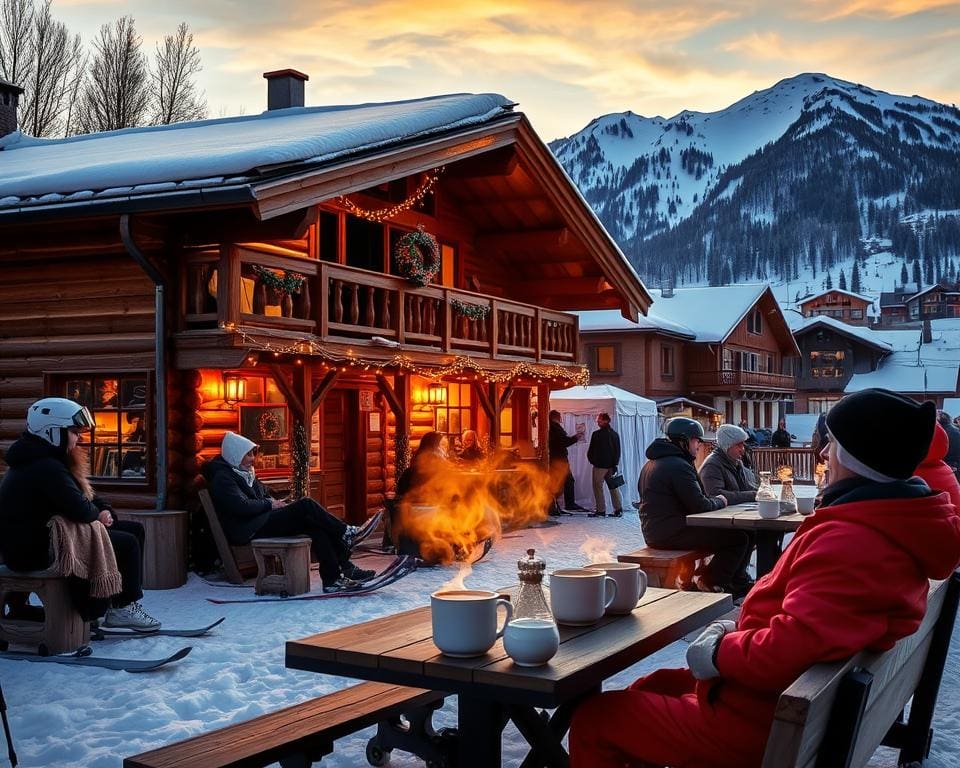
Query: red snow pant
{"points": [[658, 721]]}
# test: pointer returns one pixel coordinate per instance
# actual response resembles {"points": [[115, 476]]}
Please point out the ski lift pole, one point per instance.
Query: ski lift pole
{"points": [[6, 729]]}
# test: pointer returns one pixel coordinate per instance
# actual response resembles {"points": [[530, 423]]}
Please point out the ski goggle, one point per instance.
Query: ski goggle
{"points": [[82, 419]]}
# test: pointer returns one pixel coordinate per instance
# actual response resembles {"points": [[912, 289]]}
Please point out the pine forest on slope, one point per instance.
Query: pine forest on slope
{"points": [[790, 182]]}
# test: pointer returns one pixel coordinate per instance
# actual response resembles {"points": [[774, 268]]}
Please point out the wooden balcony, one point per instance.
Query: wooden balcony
{"points": [[339, 304], [725, 381]]}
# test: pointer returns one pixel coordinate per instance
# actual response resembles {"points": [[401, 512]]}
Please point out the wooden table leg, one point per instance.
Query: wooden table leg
{"points": [[480, 727], [768, 550], [545, 735]]}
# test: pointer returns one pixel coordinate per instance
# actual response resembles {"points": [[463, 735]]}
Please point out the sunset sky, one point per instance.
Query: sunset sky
{"points": [[563, 62]]}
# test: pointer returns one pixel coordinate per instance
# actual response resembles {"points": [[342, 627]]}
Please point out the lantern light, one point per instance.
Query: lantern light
{"points": [[234, 388], [436, 394]]}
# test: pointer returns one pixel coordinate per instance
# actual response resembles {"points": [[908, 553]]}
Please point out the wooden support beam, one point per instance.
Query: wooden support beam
{"points": [[524, 240], [293, 398], [484, 400], [505, 396], [398, 408], [321, 390], [495, 420]]}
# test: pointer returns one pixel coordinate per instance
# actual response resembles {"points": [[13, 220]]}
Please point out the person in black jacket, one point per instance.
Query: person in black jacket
{"points": [[47, 476], [248, 511], [782, 437], [557, 443], [670, 489], [604, 455], [953, 434]]}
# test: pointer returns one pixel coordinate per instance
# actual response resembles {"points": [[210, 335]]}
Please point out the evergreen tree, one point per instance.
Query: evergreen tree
{"points": [[903, 274], [843, 281], [829, 284], [916, 273], [855, 278]]}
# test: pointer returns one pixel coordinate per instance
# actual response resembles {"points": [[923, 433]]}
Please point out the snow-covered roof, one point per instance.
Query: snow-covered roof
{"points": [[914, 366], [865, 335], [815, 296], [683, 401], [711, 313], [613, 320], [223, 151]]}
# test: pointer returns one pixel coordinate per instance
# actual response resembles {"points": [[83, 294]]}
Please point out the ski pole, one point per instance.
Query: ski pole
{"points": [[6, 729]]}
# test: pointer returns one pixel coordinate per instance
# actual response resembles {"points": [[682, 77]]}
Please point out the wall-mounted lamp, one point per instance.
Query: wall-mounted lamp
{"points": [[436, 393], [234, 388]]}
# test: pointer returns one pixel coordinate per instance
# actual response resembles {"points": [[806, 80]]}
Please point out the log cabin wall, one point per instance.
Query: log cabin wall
{"points": [[59, 314]]}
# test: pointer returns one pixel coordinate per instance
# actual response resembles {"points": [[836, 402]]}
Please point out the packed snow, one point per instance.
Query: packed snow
{"points": [[71, 717]]}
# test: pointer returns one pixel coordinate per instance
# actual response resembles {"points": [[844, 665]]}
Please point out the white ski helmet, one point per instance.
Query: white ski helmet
{"points": [[50, 417]]}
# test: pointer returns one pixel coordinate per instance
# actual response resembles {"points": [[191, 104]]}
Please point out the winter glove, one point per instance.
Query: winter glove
{"points": [[702, 652]]}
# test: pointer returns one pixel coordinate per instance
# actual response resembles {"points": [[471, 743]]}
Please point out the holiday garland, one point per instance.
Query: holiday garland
{"points": [[289, 282], [473, 311], [418, 256], [301, 463]]}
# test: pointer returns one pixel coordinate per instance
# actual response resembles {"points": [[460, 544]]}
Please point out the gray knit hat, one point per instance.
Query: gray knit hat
{"points": [[730, 434]]}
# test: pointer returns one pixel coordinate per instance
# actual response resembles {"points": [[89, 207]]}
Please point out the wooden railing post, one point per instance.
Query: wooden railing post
{"points": [[494, 327], [228, 286]]}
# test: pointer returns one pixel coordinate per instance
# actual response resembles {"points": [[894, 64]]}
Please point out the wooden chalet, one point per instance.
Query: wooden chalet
{"points": [[842, 305], [911, 306], [726, 348], [242, 274]]}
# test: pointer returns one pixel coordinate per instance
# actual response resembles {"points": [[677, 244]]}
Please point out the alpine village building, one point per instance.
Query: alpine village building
{"points": [[330, 282]]}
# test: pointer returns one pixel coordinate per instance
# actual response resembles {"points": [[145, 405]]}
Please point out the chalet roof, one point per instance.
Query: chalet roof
{"points": [[835, 290], [893, 299], [665, 401], [861, 334], [231, 150], [914, 367], [612, 320]]}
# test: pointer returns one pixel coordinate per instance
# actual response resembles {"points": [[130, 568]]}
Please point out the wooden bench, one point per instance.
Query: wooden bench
{"points": [[283, 565], [61, 630], [668, 568], [837, 714], [300, 735]]}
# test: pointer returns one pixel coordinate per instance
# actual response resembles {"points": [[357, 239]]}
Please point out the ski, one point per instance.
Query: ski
{"points": [[126, 665], [402, 566], [105, 633]]}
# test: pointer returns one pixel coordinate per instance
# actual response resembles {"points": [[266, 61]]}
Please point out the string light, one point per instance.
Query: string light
{"points": [[380, 215], [460, 366]]}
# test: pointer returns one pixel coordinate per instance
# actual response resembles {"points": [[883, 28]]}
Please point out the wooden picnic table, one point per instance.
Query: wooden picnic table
{"points": [[491, 689], [769, 532]]}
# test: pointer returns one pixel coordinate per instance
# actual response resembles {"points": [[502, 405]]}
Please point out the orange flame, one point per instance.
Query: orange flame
{"points": [[784, 472], [453, 509], [598, 550]]}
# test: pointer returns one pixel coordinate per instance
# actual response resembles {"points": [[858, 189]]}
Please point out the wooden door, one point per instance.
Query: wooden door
{"points": [[341, 488]]}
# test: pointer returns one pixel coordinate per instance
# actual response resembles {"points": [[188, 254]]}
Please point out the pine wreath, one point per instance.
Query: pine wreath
{"points": [[472, 311], [269, 425], [289, 282], [418, 256]]}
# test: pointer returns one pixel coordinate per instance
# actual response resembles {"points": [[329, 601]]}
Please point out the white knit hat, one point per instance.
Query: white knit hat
{"points": [[234, 447], [730, 434]]}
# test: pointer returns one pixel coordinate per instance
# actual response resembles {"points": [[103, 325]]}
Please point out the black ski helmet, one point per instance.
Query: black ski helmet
{"points": [[681, 430]]}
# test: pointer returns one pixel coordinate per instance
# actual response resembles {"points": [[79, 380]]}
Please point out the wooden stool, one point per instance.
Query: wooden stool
{"points": [[283, 565], [670, 568], [61, 631], [164, 548]]}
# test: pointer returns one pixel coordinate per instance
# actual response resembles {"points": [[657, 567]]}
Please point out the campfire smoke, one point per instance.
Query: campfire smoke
{"points": [[453, 509]]}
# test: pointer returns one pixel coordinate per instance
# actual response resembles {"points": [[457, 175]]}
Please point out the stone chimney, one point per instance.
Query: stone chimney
{"points": [[285, 88], [9, 97]]}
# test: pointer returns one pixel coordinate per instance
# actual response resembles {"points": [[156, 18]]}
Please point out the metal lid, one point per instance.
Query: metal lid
{"points": [[531, 567]]}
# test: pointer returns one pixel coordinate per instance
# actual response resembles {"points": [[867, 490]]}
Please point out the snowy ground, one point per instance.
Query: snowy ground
{"points": [[78, 717]]}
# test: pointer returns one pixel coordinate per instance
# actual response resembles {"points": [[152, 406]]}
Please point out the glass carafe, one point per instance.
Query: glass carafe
{"points": [[765, 491], [788, 499], [531, 603]]}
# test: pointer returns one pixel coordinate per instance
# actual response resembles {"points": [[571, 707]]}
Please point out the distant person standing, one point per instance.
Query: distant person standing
{"points": [[604, 455], [558, 441], [953, 436], [782, 437]]}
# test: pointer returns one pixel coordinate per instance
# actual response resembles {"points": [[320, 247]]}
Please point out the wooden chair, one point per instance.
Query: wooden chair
{"points": [[238, 561], [665, 567], [837, 714], [302, 734]]}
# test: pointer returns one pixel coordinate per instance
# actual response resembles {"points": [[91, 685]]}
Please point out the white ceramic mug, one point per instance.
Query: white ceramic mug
{"points": [[805, 504], [631, 584], [579, 596], [768, 509], [465, 621], [531, 642]]}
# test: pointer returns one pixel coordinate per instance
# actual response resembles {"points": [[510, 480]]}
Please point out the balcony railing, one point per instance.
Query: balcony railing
{"points": [[349, 305], [739, 380]]}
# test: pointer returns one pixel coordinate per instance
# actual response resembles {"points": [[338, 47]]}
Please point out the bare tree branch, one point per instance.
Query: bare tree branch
{"points": [[16, 40], [175, 97], [115, 93]]}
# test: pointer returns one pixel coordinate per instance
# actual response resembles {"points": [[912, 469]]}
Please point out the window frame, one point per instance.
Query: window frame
{"points": [[668, 367], [593, 350]]}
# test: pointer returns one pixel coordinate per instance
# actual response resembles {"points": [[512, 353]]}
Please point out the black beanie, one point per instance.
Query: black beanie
{"points": [[880, 434]]}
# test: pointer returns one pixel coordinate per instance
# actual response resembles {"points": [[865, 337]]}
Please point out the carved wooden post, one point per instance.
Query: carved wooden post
{"points": [[371, 313], [338, 301], [354, 303]]}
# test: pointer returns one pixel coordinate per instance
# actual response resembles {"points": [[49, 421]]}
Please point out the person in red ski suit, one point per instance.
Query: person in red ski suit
{"points": [[854, 577], [936, 472]]}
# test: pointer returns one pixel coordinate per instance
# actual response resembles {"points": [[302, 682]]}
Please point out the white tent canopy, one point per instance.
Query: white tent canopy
{"points": [[633, 417]]}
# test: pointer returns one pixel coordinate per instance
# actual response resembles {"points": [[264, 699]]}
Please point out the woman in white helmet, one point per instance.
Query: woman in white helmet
{"points": [[47, 476]]}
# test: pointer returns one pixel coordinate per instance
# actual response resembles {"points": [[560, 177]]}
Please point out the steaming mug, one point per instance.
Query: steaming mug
{"points": [[465, 621], [631, 584], [579, 596]]}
